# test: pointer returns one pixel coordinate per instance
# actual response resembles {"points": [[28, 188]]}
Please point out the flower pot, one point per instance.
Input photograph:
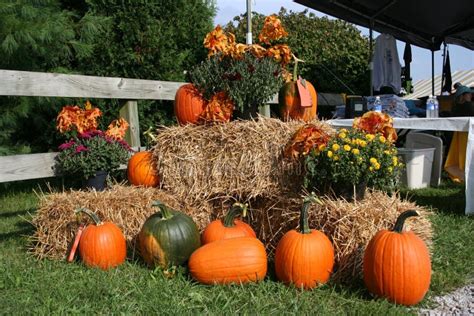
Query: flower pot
{"points": [[96, 182], [348, 191]]}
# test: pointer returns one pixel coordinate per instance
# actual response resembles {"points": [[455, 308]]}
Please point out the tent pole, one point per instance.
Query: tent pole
{"points": [[432, 73], [371, 64], [432, 68], [249, 22]]}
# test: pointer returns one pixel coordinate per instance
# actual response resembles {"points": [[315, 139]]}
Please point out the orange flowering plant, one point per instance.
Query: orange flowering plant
{"points": [[89, 149], [365, 154], [247, 75]]}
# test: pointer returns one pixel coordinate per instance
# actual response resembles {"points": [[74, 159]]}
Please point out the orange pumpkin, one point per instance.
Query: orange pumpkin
{"points": [[188, 104], [290, 102], [304, 258], [102, 245], [229, 227], [397, 264], [226, 261], [141, 170]]}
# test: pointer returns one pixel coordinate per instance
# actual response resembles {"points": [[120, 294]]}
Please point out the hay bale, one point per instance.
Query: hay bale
{"points": [[243, 159], [128, 207], [350, 226]]}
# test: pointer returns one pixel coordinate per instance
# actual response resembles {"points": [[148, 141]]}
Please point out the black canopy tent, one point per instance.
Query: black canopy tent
{"points": [[424, 23]]}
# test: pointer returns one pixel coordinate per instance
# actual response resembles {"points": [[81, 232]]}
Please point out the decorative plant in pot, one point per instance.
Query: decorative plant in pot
{"points": [[350, 160], [239, 75], [89, 152]]}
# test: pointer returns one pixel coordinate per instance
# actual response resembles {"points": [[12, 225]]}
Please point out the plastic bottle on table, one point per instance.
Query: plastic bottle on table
{"points": [[377, 105], [430, 107]]}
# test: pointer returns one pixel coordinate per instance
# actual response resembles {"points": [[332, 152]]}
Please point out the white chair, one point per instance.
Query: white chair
{"points": [[422, 140]]}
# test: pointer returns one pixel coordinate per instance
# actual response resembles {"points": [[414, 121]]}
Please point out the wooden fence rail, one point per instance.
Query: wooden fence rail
{"points": [[39, 84]]}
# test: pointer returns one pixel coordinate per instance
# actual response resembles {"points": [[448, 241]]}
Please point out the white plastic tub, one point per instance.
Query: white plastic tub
{"points": [[418, 165]]}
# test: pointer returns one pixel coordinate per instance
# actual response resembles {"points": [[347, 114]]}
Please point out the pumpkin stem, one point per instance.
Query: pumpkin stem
{"points": [[91, 214], [295, 70], [150, 137], [398, 227], [304, 225], [235, 210], [164, 210]]}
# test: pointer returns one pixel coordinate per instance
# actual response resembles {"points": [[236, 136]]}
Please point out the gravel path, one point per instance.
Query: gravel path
{"points": [[459, 302]]}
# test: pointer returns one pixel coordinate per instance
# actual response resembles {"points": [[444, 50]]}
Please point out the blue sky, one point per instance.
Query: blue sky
{"points": [[461, 58]]}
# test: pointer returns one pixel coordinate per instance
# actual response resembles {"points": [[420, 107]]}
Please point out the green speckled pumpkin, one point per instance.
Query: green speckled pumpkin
{"points": [[168, 238]]}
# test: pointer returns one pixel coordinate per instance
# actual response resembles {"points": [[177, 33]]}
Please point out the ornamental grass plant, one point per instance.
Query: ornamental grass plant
{"points": [[88, 149]]}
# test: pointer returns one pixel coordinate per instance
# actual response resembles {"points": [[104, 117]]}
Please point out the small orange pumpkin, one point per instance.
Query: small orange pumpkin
{"points": [[304, 258], [397, 264], [188, 104], [141, 170], [226, 261], [102, 245], [229, 227], [290, 102]]}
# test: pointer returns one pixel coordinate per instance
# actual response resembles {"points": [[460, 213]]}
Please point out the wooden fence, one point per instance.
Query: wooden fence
{"points": [[25, 83]]}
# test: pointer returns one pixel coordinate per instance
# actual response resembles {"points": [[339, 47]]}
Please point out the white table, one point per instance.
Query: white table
{"points": [[459, 124]]}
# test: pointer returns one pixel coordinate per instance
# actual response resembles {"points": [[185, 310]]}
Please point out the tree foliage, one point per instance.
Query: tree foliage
{"points": [[330, 49], [137, 39]]}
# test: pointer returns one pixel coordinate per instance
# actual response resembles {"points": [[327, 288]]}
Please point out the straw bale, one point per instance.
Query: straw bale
{"points": [[350, 226], [243, 159], [128, 207]]}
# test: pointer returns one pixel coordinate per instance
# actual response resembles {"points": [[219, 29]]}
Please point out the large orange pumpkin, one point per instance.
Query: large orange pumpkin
{"points": [[397, 264], [101, 245], [226, 261], [141, 170], [188, 104], [290, 102], [304, 258], [228, 227]]}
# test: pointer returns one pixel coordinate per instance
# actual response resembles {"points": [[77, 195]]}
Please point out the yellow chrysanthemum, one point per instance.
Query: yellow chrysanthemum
{"points": [[382, 139], [347, 148], [386, 152], [395, 160], [373, 160], [336, 158], [370, 137], [344, 130], [342, 135], [330, 154], [335, 147], [377, 166], [362, 143], [355, 151], [322, 147]]}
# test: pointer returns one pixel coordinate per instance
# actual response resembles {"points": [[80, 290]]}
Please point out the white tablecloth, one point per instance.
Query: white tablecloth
{"points": [[461, 124]]}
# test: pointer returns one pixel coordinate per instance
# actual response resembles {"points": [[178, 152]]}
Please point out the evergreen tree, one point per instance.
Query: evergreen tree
{"points": [[137, 39], [36, 35]]}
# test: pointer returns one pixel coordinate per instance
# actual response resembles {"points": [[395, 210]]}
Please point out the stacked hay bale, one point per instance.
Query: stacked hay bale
{"points": [[204, 169]]}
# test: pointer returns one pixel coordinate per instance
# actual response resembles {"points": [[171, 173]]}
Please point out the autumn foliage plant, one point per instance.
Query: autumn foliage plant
{"points": [[246, 75], [88, 149]]}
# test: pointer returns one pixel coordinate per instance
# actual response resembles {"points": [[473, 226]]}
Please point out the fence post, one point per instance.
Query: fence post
{"points": [[129, 111]]}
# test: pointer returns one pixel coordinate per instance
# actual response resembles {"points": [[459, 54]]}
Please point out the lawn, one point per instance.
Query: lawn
{"points": [[30, 286]]}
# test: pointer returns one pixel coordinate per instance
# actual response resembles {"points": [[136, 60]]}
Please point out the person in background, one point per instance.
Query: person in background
{"points": [[463, 104]]}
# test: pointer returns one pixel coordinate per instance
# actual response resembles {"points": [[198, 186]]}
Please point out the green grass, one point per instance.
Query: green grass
{"points": [[30, 286]]}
